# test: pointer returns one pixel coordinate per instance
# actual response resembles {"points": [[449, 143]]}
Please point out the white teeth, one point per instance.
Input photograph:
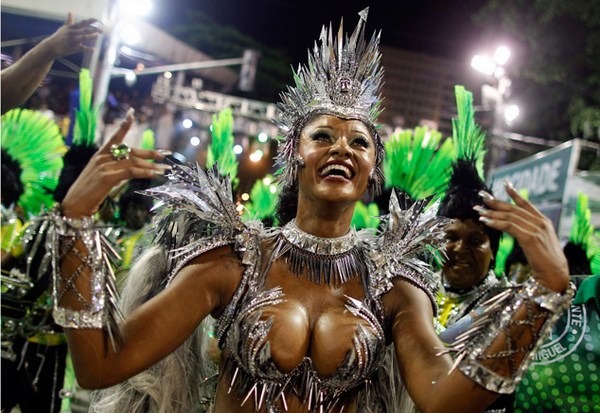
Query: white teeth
{"points": [[345, 170]]}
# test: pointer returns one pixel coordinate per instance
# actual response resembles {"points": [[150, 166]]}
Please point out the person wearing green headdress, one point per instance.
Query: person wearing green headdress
{"points": [[467, 273], [32, 377], [468, 279], [32, 361]]}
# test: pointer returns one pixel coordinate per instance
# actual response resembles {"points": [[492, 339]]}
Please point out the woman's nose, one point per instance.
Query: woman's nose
{"points": [[341, 147]]}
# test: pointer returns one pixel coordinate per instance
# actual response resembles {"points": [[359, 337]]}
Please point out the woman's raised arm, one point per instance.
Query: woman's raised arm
{"points": [[493, 352], [158, 326]]}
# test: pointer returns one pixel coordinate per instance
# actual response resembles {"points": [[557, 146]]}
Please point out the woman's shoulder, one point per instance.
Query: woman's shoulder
{"points": [[404, 248]]}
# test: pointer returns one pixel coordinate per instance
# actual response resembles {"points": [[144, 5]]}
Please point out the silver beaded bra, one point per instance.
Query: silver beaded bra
{"points": [[197, 214]]}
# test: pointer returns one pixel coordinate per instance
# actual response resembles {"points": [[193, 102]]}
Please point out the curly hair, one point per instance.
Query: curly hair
{"points": [[12, 187]]}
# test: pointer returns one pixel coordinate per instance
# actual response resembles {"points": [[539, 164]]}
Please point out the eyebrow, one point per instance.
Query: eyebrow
{"points": [[353, 130]]}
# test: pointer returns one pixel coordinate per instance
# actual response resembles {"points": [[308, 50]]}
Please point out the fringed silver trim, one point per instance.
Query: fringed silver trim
{"points": [[330, 261], [101, 311], [496, 318]]}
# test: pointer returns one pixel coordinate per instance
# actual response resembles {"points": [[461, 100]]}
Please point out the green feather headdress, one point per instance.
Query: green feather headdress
{"points": [[148, 141], [418, 162], [221, 148], [579, 250], [467, 136], [86, 116], [581, 229], [467, 177], [594, 252], [263, 199], [365, 216], [35, 143]]}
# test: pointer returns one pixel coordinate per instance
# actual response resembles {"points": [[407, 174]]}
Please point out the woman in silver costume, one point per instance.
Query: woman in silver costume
{"points": [[310, 316]]}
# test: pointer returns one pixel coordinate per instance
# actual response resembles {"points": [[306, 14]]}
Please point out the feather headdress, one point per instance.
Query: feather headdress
{"points": [[577, 249], [418, 162], [343, 78], [84, 139], [467, 177], [220, 151], [32, 157]]}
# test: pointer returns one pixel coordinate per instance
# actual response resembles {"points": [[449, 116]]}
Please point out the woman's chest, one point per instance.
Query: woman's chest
{"points": [[294, 319]]}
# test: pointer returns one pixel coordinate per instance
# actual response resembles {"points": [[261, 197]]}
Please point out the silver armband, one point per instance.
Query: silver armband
{"points": [[98, 306], [497, 316]]}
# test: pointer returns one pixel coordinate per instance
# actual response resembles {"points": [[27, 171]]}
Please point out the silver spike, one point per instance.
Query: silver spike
{"points": [[235, 373]]}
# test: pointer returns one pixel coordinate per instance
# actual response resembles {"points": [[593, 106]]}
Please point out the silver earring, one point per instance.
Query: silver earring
{"points": [[300, 162]]}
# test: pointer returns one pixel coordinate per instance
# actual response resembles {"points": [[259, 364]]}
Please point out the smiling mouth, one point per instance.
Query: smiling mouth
{"points": [[336, 170], [461, 263]]}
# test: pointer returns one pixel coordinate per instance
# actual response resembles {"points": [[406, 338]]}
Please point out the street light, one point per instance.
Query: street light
{"points": [[511, 112], [494, 97]]}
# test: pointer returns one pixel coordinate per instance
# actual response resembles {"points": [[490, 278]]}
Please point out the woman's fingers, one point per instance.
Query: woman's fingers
{"points": [[534, 232], [85, 24], [509, 221], [158, 155], [106, 163], [519, 200], [118, 137], [120, 134], [134, 172]]}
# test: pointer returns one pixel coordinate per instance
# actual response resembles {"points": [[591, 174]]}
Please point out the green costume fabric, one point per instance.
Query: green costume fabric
{"points": [[564, 375]]}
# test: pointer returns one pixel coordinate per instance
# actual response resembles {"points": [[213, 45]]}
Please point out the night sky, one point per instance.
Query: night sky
{"points": [[436, 27]]}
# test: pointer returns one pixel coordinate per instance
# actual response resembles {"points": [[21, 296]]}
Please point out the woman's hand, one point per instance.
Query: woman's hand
{"points": [[103, 172], [73, 37], [534, 232]]}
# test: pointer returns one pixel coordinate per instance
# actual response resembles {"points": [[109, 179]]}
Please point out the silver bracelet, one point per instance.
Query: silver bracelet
{"points": [[100, 311], [469, 348]]}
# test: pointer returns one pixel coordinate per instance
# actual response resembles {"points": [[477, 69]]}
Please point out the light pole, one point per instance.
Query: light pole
{"points": [[494, 98], [122, 15]]}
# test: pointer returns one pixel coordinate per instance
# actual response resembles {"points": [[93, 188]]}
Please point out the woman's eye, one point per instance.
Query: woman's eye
{"points": [[361, 141], [321, 136]]}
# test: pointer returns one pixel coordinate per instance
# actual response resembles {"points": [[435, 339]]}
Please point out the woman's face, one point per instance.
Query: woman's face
{"points": [[469, 253], [339, 155]]}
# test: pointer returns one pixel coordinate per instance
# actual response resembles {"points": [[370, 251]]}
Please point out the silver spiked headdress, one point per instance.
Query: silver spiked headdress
{"points": [[343, 78]]}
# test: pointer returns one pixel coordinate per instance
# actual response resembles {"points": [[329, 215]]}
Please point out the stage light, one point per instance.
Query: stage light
{"points": [[501, 55], [511, 112], [256, 156], [130, 35], [483, 64], [133, 8], [263, 137]]}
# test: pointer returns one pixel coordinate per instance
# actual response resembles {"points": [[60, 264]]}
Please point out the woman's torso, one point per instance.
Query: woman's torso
{"points": [[317, 344]]}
